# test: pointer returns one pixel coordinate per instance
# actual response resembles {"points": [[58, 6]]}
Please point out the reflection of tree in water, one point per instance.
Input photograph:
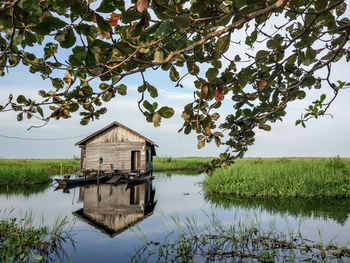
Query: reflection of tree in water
{"points": [[335, 209], [25, 190], [113, 208]]}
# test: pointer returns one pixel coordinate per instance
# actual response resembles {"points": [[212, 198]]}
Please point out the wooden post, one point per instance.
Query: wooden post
{"points": [[98, 174], [100, 161]]}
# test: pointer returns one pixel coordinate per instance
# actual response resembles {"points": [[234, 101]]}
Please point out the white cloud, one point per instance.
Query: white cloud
{"points": [[171, 95]]}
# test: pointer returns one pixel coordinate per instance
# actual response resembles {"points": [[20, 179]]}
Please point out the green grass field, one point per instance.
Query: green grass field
{"points": [[283, 177], [34, 171], [260, 177], [186, 163]]}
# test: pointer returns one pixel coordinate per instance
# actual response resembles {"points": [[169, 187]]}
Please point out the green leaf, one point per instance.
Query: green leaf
{"points": [[103, 24], [142, 88], [182, 20], [309, 18], [108, 6], [321, 5], [164, 29], [85, 121], [90, 59], [192, 68], [188, 129], [265, 127], [148, 106], [301, 94], [262, 54], [103, 86], [155, 106], [166, 112], [57, 83], [78, 56], [48, 24], [30, 38], [310, 53], [224, 20], [152, 91], [40, 110], [107, 96], [31, 6], [50, 49], [122, 89], [66, 38], [174, 74], [73, 107], [21, 99], [20, 116], [247, 112], [223, 44], [130, 15], [323, 97], [211, 73]]}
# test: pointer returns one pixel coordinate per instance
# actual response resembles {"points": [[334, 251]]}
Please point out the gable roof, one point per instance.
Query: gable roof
{"points": [[115, 123]]}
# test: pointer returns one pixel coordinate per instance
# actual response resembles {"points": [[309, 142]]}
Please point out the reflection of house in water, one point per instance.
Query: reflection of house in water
{"points": [[111, 208]]}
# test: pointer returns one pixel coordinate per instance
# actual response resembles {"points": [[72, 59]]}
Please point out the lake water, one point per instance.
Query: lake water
{"points": [[101, 213]]}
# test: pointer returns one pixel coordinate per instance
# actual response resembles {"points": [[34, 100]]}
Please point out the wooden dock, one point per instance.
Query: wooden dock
{"points": [[115, 179]]}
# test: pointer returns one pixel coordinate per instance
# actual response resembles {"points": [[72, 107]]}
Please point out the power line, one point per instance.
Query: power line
{"points": [[42, 139]]}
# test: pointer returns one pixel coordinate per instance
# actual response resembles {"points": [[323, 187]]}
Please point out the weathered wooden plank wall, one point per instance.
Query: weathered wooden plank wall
{"points": [[114, 146], [118, 154]]}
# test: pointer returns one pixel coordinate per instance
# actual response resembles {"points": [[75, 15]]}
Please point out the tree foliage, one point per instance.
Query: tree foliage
{"points": [[288, 43]]}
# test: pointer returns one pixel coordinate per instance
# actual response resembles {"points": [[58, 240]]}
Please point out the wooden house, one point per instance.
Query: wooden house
{"points": [[117, 147]]}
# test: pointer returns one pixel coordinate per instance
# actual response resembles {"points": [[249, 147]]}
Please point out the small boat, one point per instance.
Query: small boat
{"points": [[90, 180]]}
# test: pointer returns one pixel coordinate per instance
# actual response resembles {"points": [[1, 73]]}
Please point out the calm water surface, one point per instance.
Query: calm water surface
{"points": [[101, 213]]}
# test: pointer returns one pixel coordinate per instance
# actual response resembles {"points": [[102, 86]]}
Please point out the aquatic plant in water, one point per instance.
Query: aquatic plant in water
{"points": [[20, 241], [245, 241]]}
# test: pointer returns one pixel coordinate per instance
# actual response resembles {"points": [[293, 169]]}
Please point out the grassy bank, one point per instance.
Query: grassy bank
{"points": [[34, 171], [21, 241], [177, 164], [284, 177]]}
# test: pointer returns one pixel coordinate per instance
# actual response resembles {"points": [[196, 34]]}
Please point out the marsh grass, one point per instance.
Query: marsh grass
{"points": [[244, 241], [21, 241], [186, 163], [34, 171], [284, 177]]}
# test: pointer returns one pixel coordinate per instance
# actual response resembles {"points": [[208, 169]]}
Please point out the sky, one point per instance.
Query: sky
{"points": [[321, 138]]}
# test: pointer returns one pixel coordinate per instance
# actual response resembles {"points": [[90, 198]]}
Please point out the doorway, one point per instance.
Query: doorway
{"points": [[135, 160]]}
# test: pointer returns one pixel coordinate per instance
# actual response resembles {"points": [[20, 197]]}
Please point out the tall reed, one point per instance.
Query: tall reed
{"points": [[34, 171], [284, 177], [185, 163], [21, 241]]}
